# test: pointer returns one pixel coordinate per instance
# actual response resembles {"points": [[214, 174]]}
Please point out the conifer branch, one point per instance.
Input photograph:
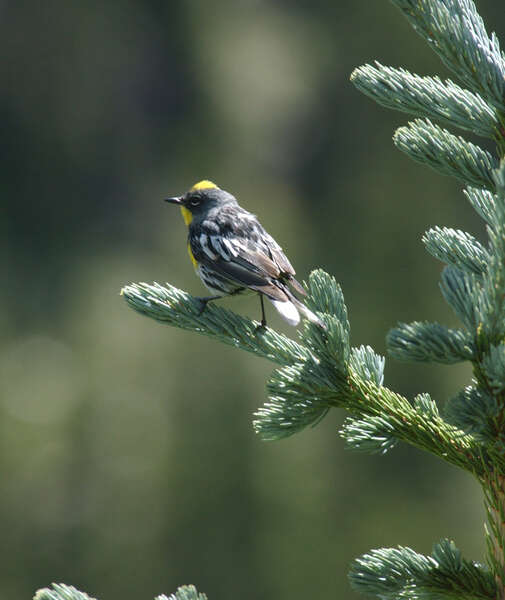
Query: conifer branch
{"points": [[457, 248], [373, 435], [475, 411], [172, 306], [446, 153], [185, 592], [473, 282], [429, 342], [455, 30], [391, 573], [483, 202], [494, 493], [320, 373], [429, 97], [60, 591], [461, 291]]}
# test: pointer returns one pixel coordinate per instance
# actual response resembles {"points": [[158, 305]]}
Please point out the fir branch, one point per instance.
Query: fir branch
{"points": [[374, 435], [421, 428], [456, 32], [172, 306], [457, 248], [320, 373], [301, 395], [367, 364], [391, 573], [60, 591], [491, 304], [429, 342], [483, 202], [493, 366], [185, 592], [446, 153], [325, 297], [427, 97], [424, 405], [461, 291], [494, 493], [474, 411]]}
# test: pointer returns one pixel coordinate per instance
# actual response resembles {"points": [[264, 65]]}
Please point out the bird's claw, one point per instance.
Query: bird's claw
{"points": [[203, 306], [261, 328]]}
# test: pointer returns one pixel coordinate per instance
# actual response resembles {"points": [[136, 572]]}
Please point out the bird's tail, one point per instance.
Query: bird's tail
{"points": [[291, 308]]}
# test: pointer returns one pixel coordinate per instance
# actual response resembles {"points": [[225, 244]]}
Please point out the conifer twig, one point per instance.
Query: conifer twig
{"points": [[318, 373]]}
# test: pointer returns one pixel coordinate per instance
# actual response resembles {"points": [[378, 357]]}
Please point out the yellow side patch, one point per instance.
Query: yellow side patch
{"points": [[193, 259], [186, 215], [203, 185]]}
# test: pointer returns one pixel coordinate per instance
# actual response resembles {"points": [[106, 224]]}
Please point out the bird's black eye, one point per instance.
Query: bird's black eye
{"points": [[195, 201]]}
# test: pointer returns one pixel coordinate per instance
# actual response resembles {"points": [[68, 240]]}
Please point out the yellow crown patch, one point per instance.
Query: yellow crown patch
{"points": [[203, 185]]}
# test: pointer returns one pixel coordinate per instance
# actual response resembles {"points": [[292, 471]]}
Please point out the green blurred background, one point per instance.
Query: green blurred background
{"points": [[128, 461]]}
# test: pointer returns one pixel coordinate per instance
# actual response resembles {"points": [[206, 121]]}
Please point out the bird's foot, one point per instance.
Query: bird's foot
{"points": [[261, 328], [204, 301], [203, 306]]}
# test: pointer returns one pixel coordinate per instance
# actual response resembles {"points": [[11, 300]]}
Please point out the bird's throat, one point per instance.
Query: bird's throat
{"points": [[186, 215]]}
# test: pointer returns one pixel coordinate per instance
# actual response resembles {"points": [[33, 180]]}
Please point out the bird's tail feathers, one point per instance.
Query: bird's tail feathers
{"points": [[290, 310], [297, 286], [287, 310]]}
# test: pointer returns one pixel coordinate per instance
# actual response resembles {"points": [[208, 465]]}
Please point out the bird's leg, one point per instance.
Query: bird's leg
{"points": [[204, 300], [263, 318]]}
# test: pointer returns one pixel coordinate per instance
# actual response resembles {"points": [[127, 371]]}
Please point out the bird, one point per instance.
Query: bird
{"points": [[231, 252]]}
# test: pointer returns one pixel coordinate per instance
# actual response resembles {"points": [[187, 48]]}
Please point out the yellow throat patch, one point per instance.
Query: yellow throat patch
{"points": [[186, 215]]}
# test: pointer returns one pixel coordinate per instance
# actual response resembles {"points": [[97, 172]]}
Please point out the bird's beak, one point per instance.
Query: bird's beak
{"points": [[176, 200]]}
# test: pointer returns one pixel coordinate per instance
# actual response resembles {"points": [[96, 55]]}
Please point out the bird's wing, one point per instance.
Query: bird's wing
{"points": [[281, 260], [243, 259]]}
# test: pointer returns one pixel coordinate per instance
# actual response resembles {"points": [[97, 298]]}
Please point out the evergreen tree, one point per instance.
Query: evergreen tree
{"points": [[322, 371]]}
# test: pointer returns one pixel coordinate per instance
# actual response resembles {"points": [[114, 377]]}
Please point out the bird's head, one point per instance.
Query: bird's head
{"points": [[201, 198]]}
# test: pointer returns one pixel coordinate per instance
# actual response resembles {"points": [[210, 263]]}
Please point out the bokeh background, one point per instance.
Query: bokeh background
{"points": [[128, 462]]}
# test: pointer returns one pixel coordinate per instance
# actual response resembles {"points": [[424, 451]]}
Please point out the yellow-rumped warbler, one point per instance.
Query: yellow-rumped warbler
{"points": [[231, 252]]}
